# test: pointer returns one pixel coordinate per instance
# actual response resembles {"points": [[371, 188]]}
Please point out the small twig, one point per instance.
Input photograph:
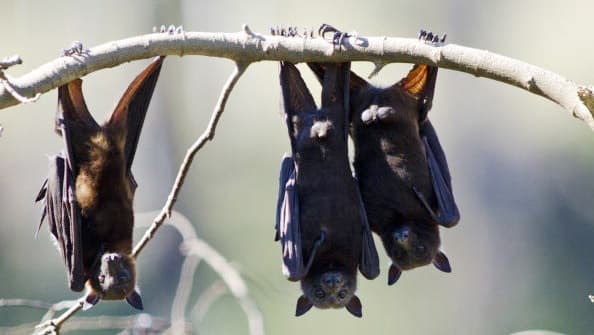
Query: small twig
{"points": [[208, 135], [53, 326], [207, 298], [9, 61], [24, 303]]}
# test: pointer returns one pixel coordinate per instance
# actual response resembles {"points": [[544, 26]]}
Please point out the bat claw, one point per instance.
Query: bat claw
{"points": [[76, 48], [290, 31], [171, 29], [337, 37], [431, 38]]}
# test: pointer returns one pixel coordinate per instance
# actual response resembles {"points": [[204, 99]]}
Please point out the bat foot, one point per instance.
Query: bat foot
{"points": [[77, 49], [171, 29], [337, 35], [431, 38], [290, 31]]}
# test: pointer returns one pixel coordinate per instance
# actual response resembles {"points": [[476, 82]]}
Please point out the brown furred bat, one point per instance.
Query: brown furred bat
{"points": [[400, 165], [321, 221], [89, 190]]}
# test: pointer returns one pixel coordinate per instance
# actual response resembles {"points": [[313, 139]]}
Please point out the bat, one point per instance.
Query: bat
{"points": [[89, 190], [321, 221], [400, 165]]}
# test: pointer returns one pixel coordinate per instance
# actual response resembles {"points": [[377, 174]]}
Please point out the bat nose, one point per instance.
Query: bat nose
{"points": [[123, 278], [401, 235], [332, 280]]}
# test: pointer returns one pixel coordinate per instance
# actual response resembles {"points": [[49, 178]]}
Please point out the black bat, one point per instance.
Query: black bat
{"points": [[400, 165], [89, 190], [321, 221]]}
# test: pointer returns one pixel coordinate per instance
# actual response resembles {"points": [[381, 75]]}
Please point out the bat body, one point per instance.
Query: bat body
{"points": [[401, 168], [321, 221], [89, 192]]}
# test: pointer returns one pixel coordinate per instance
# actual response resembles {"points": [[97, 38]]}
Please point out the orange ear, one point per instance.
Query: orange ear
{"points": [[416, 80]]}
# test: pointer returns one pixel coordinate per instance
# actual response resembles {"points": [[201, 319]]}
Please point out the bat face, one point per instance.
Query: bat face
{"points": [[115, 277], [332, 289], [411, 245]]}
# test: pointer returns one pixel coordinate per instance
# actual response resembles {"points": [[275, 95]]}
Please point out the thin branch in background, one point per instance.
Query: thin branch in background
{"points": [[182, 294], [53, 326], [208, 135], [24, 303], [193, 246], [207, 298], [233, 280]]}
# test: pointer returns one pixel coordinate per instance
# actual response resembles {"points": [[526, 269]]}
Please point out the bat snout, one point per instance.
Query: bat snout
{"points": [[332, 280], [402, 235]]}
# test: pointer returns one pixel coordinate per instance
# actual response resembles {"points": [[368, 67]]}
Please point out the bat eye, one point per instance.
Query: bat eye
{"points": [[342, 294], [319, 293], [101, 279]]}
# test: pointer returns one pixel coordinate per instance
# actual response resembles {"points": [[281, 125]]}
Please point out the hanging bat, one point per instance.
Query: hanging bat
{"points": [[400, 164], [321, 221], [89, 191]]}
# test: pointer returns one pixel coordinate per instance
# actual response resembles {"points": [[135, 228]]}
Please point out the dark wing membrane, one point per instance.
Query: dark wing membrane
{"points": [[297, 99], [131, 110], [448, 214], [369, 262], [288, 229], [63, 218]]}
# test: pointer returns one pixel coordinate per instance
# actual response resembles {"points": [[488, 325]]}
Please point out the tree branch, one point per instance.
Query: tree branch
{"points": [[247, 46], [208, 135]]}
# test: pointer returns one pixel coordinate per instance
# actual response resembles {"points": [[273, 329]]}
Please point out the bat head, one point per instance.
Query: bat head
{"points": [[410, 246], [115, 279], [331, 289]]}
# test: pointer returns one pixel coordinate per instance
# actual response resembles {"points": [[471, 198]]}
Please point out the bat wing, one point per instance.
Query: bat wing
{"points": [[75, 124], [131, 110], [63, 218], [420, 82], [297, 101], [448, 214], [369, 262], [287, 224]]}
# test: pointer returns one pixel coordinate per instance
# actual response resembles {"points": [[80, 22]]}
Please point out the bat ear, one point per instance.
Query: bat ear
{"points": [[442, 263], [131, 110], [356, 83], [420, 83], [296, 97], [303, 305], [134, 300], [354, 306], [90, 300], [393, 274]]}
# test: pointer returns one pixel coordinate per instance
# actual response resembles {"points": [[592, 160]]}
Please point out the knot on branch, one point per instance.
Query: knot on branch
{"points": [[587, 97]]}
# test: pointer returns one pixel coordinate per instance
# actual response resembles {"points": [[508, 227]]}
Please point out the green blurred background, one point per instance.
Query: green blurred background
{"points": [[522, 168]]}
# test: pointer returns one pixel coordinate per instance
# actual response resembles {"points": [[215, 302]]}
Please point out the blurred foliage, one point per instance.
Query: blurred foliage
{"points": [[522, 168]]}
